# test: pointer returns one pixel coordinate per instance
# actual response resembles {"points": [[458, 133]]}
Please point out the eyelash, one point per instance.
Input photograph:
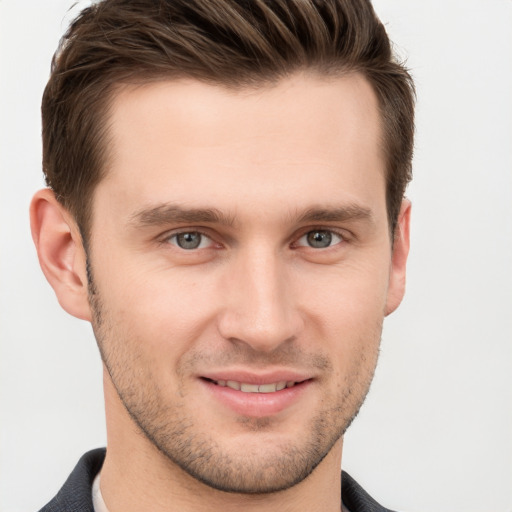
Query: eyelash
{"points": [[343, 238], [167, 239], [331, 232]]}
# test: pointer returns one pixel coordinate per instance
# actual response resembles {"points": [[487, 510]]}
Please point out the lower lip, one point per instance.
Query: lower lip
{"points": [[257, 405]]}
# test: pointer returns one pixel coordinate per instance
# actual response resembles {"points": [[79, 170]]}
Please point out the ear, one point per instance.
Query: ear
{"points": [[61, 253], [396, 288]]}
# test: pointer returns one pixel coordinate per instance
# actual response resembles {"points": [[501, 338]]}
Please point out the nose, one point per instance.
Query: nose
{"points": [[259, 304]]}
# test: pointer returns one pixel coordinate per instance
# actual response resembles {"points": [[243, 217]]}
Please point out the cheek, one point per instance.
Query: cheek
{"points": [[160, 312], [345, 309], [346, 295]]}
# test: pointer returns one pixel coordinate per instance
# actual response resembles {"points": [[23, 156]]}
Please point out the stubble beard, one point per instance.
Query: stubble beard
{"points": [[175, 433]]}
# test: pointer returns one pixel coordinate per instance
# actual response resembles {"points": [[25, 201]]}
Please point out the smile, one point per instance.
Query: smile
{"points": [[255, 388], [252, 395]]}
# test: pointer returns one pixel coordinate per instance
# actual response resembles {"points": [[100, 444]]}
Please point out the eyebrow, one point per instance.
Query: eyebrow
{"points": [[337, 214], [173, 214], [164, 214]]}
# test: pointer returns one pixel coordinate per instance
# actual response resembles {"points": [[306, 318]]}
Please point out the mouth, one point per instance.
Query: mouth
{"points": [[251, 395], [245, 387]]}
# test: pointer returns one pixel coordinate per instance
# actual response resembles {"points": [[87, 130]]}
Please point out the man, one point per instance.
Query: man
{"points": [[225, 205]]}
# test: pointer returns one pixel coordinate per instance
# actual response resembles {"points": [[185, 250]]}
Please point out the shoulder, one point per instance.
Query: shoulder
{"points": [[76, 495], [356, 499]]}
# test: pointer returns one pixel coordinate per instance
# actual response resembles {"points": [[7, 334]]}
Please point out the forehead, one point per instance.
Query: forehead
{"points": [[306, 139]]}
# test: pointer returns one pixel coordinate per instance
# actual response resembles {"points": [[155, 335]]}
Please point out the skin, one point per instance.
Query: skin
{"points": [[276, 165]]}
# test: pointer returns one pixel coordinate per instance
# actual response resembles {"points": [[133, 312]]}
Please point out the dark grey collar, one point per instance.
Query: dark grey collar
{"points": [[76, 495]]}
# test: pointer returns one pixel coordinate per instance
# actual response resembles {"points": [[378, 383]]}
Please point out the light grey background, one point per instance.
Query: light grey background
{"points": [[436, 431]]}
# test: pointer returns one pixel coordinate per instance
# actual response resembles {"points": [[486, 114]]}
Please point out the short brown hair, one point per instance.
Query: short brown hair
{"points": [[235, 43]]}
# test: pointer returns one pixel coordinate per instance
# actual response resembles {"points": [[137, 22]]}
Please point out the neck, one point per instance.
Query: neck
{"points": [[137, 476]]}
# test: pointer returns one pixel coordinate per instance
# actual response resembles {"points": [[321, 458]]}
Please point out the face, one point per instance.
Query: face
{"points": [[241, 268]]}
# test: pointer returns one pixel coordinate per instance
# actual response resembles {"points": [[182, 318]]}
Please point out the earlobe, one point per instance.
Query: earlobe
{"points": [[396, 289], [60, 252]]}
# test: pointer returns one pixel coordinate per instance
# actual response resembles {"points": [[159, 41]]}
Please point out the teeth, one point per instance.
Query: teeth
{"points": [[249, 388], [255, 388], [267, 388]]}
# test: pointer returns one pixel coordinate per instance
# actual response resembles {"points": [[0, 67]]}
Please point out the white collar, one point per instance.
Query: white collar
{"points": [[97, 498]]}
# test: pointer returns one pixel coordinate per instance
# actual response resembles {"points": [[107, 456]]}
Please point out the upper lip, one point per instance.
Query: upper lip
{"points": [[265, 377]]}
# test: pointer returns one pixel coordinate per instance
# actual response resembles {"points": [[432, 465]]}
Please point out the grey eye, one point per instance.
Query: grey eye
{"points": [[320, 239], [189, 240]]}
